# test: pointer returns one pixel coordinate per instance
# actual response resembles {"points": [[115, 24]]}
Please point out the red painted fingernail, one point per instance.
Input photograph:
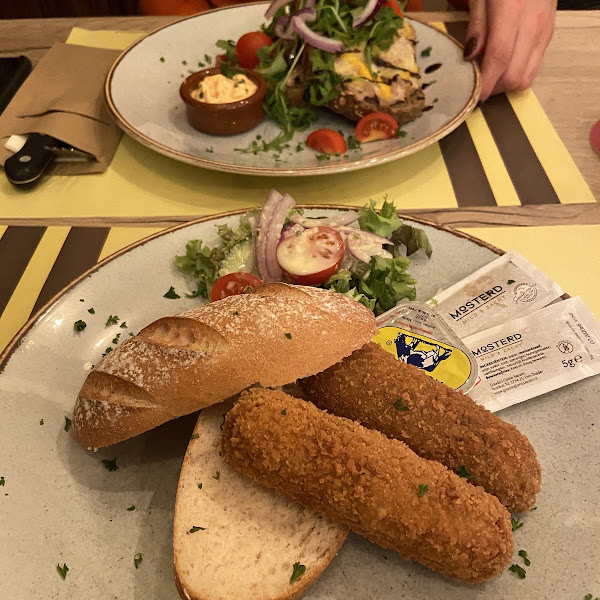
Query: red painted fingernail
{"points": [[469, 48], [595, 138]]}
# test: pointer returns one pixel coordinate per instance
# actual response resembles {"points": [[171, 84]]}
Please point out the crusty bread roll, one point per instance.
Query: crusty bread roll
{"points": [[179, 364], [250, 537]]}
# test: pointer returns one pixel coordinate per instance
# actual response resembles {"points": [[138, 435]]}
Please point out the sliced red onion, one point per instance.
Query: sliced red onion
{"points": [[370, 10], [281, 210], [291, 230], [343, 219], [367, 234], [308, 15], [264, 220], [364, 245], [274, 7], [283, 29], [315, 39]]}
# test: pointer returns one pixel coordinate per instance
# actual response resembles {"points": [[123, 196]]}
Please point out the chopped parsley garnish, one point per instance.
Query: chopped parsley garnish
{"points": [[112, 320], [217, 475], [510, 282], [284, 412], [353, 143], [423, 489], [194, 529], [67, 423], [534, 508], [288, 336], [516, 524], [91, 311], [235, 313], [184, 62], [81, 299], [137, 560], [199, 486], [201, 64], [172, 294], [462, 472], [323, 157], [110, 465], [297, 571], [107, 351], [435, 100], [299, 147], [195, 436], [211, 149], [123, 325], [589, 597], [62, 571], [401, 133], [520, 571], [523, 555], [116, 339], [132, 507], [162, 59], [79, 325], [41, 421], [426, 52], [207, 59], [2, 481], [399, 405]]}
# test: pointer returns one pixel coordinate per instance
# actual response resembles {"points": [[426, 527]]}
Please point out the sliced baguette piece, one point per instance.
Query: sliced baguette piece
{"points": [[251, 537], [177, 365]]}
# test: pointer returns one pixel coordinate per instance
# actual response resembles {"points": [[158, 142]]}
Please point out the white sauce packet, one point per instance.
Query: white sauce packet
{"points": [[526, 357], [507, 288]]}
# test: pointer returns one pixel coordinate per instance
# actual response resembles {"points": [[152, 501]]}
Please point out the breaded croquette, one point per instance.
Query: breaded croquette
{"points": [[374, 388], [375, 485]]}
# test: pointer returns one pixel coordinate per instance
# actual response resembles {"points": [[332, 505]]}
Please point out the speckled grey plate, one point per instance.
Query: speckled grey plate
{"points": [[142, 91], [60, 505]]}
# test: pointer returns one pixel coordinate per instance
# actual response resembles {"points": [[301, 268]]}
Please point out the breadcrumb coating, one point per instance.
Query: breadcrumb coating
{"points": [[374, 388], [375, 485]]}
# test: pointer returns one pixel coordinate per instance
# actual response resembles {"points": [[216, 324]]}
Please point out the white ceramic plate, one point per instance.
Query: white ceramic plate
{"points": [[142, 90], [60, 505]]}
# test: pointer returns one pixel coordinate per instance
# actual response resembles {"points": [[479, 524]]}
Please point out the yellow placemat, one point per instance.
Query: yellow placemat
{"points": [[569, 254], [141, 183]]}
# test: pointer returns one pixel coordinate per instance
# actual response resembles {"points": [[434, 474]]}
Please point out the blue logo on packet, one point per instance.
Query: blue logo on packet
{"points": [[427, 358]]}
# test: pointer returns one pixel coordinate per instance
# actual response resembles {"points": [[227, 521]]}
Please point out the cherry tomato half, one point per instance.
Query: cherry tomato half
{"points": [[393, 4], [312, 256], [375, 126], [327, 141], [247, 45], [234, 284]]}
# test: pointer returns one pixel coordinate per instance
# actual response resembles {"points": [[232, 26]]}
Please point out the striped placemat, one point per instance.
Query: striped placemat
{"points": [[505, 158], [38, 262]]}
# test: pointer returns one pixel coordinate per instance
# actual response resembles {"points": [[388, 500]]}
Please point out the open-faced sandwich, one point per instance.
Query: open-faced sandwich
{"points": [[354, 57]]}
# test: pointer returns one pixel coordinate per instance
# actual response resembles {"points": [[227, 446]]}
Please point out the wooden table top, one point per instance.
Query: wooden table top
{"points": [[567, 83]]}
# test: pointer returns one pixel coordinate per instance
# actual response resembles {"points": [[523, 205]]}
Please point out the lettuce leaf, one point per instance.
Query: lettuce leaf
{"points": [[383, 223], [413, 238]]}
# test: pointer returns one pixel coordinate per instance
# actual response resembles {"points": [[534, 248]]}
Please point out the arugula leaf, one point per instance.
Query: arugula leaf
{"points": [[413, 238], [228, 46], [297, 571], [383, 223], [323, 86]]}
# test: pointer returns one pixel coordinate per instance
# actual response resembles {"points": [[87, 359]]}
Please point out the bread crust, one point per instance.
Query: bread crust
{"points": [[179, 364]]}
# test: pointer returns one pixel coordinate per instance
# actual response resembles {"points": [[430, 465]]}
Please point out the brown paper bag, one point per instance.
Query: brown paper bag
{"points": [[64, 98]]}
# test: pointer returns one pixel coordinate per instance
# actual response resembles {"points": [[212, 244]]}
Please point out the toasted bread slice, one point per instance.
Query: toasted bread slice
{"points": [[247, 538]]}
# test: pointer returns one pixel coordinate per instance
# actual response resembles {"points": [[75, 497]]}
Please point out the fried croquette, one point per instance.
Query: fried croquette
{"points": [[381, 392], [375, 485]]}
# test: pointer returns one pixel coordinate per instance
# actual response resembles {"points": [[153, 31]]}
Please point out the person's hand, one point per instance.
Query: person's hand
{"points": [[510, 38]]}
